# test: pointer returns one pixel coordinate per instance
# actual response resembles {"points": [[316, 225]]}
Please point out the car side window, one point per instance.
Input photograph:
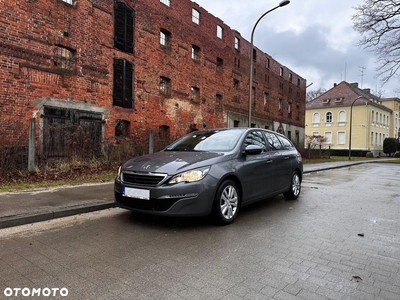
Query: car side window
{"points": [[273, 141], [287, 145], [256, 138]]}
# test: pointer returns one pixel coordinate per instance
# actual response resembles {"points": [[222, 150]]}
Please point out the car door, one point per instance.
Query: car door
{"points": [[290, 156], [256, 171], [280, 161]]}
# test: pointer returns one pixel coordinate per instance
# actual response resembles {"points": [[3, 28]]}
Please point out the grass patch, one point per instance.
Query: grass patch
{"points": [[57, 181]]}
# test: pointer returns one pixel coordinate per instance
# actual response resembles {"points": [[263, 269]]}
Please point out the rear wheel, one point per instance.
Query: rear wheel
{"points": [[226, 203], [295, 187]]}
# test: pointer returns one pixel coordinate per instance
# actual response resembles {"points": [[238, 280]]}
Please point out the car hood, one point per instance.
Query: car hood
{"points": [[172, 162]]}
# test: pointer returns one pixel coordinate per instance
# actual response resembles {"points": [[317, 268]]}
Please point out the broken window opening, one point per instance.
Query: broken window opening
{"points": [[195, 16], [165, 37], [195, 53], [122, 128], [166, 2], [165, 86], [63, 58], [219, 31], [195, 93], [220, 63]]}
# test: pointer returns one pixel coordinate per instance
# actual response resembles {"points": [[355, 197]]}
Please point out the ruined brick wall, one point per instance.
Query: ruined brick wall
{"points": [[31, 31], [176, 63]]}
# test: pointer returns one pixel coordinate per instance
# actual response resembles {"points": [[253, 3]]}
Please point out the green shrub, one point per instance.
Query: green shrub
{"points": [[345, 152], [389, 146]]}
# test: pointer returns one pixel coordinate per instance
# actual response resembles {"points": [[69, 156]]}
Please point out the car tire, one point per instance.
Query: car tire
{"points": [[295, 187], [226, 203]]}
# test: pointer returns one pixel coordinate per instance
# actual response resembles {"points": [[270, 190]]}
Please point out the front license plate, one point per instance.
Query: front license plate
{"points": [[136, 193]]}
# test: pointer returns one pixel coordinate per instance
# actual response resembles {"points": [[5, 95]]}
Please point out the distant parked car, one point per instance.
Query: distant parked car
{"points": [[211, 171]]}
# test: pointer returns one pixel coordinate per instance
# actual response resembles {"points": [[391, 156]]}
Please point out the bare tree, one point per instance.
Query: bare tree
{"points": [[311, 95], [379, 93], [379, 23]]}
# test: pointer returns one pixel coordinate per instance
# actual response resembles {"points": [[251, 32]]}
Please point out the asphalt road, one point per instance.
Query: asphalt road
{"points": [[340, 240]]}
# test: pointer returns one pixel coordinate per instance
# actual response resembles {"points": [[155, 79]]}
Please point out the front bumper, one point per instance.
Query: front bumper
{"points": [[183, 199]]}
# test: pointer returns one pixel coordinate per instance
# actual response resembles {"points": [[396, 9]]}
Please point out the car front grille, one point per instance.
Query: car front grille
{"points": [[147, 179], [150, 205]]}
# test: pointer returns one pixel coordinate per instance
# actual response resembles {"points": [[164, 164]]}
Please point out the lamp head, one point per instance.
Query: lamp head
{"points": [[284, 2]]}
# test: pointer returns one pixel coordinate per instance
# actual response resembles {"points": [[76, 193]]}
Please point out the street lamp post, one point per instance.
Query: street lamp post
{"points": [[282, 3], [351, 121]]}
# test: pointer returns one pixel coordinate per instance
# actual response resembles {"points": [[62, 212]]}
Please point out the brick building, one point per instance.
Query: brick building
{"points": [[118, 70]]}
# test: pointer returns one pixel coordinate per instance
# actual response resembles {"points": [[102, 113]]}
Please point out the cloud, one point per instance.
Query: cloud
{"points": [[313, 38]]}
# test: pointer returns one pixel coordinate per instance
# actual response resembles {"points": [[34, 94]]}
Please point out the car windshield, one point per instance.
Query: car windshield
{"points": [[215, 141]]}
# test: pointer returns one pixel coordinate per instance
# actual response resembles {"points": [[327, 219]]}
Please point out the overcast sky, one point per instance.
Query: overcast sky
{"points": [[313, 38]]}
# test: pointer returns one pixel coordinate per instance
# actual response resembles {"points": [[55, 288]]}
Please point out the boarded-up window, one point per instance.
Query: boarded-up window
{"points": [[123, 27], [123, 83]]}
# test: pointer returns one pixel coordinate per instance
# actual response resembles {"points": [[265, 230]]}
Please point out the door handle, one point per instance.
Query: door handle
{"points": [[286, 157], [269, 161]]}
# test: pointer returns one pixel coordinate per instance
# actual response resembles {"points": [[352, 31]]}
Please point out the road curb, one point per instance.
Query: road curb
{"points": [[24, 219], [333, 167]]}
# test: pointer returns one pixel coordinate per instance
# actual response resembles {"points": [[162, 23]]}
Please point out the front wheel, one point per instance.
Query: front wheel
{"points": [[226, 203], [295, 187]]}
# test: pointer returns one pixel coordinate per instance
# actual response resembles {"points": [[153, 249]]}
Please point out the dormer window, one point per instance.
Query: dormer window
{"points": [[326, 101], [338, 100]]}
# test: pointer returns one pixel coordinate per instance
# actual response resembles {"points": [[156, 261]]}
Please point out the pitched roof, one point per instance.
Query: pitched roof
{"points": [[344, 94]]}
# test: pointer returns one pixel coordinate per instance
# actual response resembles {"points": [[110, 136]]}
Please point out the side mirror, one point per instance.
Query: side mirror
{"points": [[252, 149]]}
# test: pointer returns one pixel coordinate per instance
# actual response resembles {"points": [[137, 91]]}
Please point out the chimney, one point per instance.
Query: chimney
{"points": [[367, 90], [355, 84]]}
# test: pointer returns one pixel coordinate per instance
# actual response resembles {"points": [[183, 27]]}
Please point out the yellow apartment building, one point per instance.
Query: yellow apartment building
{"points": [[347, 111], [394, 105]]}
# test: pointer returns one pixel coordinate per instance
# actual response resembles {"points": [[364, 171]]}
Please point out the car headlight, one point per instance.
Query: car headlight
{"points": [[190, 176], [119, 172]]}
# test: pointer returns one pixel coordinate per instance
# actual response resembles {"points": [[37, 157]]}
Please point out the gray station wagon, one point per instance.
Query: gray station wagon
{"points": [[214, 171]]}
